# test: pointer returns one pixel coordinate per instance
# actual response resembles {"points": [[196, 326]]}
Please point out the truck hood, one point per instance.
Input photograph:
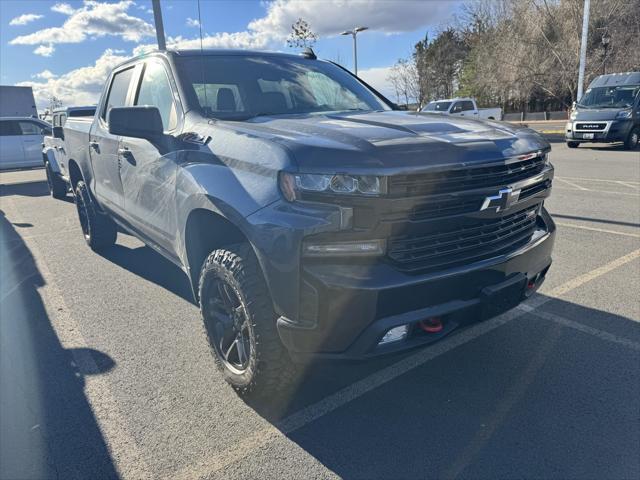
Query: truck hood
{"points": [[584, 114], [393, 141]]}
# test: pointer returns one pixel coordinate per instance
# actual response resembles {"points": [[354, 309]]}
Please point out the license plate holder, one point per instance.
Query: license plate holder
{"points": [[588, 136], [500, 298]]}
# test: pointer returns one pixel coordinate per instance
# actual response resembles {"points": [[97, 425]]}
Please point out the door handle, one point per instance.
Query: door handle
{"points": [[94, 145], [125, 152]]}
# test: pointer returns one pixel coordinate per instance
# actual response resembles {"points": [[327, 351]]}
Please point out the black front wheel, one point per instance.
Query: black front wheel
{"points": [[573, 144], [98, 230], [240, 323], [633, 139], [57, 186]]}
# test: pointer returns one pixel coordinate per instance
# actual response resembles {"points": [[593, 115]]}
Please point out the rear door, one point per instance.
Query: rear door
{"points": [[32, 136], [148, 169], [463, 108], [103, 146], [11, 153]]}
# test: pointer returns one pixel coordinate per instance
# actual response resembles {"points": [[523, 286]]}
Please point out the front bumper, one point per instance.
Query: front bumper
{"points": [[613, 131], [357, 305]]}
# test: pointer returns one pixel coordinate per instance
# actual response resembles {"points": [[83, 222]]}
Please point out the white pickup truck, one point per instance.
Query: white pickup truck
{"points": [[463, 107]]}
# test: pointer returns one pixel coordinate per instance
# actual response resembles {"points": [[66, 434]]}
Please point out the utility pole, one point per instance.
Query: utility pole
{"points": [[354, 33], [583, 48], [157, 18]]}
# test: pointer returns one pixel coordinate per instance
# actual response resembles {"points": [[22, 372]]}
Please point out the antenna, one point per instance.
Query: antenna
{"points": [[204, 85]]}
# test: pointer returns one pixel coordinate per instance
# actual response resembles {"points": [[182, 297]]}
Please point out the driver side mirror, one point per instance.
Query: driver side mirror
{"points": [[58, 132], [138, 122]]}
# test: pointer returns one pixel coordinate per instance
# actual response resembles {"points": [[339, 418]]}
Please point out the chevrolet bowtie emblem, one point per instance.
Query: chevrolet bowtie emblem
{"points": [[502, 201]]}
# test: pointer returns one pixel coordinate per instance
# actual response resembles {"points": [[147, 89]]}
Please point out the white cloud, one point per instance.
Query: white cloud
{"points": [[24, 19], [45, 75], [81, 86], [63, 8], [192, 22], [331, 17], [45, 50], [94, 19], [378, 79]]}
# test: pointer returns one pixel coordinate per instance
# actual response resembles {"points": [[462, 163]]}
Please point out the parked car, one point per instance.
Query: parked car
{"points": [[311, 219], [54, 154], [21, 142], [608, 112], [463, 107]]}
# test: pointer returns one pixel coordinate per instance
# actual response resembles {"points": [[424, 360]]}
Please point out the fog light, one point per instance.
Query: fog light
{"points": [[395, 334], [366, 247]]}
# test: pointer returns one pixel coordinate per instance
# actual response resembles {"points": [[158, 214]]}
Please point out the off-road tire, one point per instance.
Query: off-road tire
{"points": [[573, 144], [99, 231], [633, 140], [57, 187], [270, 369]]}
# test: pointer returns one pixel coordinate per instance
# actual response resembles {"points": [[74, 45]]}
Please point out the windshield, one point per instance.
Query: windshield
{"points": [[242, 87], [610, 97], [437, 107]]}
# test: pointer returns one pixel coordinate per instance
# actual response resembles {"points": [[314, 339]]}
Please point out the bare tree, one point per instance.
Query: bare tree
{"points": [[301, 35]]}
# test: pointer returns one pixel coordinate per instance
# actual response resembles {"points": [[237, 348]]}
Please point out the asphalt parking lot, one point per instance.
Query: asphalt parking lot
{"points": [[106, 372]]}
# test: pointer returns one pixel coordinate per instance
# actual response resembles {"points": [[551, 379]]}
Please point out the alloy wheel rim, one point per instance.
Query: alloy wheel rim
{"points": [[232, 332], [84, 217]]}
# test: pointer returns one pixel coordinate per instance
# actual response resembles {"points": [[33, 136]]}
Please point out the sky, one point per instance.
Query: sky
{"points": [[67, 48]]}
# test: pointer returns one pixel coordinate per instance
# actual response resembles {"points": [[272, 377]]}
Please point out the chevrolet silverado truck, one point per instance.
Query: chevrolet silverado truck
{"points": [[312, 218], [608, 112]]}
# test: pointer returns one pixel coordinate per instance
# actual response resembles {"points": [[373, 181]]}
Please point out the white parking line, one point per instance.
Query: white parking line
{"points": [[594, 229], [239, 451], [626, 194], [601, 180], [609, 337], [579, 187], [627, 184]]}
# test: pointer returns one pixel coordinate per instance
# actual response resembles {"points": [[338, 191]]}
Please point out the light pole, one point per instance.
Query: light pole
{"points": [[354, 33], [157, 17], [605, 45], [583, 48]]}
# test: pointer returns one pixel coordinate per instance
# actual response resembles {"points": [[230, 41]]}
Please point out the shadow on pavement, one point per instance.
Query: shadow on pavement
{"points": [[146, 263], [36, 188], [47, 427], [532, 398]]}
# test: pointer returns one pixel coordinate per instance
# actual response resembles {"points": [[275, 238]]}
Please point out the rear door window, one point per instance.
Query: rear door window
{"points": [[118, 91], [31, 128], [467, 105], [9, 128]]}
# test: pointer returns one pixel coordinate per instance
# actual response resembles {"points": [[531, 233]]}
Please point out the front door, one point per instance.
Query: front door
{"points": [[103, 146], [32, 136], [149, 169], [11, 153]]}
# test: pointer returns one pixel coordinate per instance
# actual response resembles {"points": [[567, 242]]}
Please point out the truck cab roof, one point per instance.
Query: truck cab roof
{"points": [[616, 79]]}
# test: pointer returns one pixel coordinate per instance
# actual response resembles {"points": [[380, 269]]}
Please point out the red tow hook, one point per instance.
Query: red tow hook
{"points": [[431, 325]]}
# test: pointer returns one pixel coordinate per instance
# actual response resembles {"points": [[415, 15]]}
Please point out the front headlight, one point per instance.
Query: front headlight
{"points": [[624, 114], [574, 115], [293, 185]]}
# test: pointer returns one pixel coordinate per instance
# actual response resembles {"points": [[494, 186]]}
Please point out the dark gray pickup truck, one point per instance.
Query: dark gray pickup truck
{"points": [[312, 220]]}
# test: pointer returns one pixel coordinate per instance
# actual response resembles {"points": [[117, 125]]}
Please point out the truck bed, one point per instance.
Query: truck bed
{"points": [[76, 139]]}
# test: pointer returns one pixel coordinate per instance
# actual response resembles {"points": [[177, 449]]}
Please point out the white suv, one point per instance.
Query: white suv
{"points": [[21, 142]]}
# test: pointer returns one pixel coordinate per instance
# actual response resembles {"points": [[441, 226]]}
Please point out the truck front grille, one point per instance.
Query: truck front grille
{"points": [[461, 180], [591, 126], [482, 239]]}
